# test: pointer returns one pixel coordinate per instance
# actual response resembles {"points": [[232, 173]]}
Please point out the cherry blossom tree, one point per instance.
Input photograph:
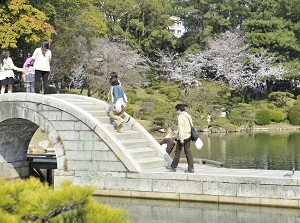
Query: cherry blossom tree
{"points": [[104, 57], [228, 60]]}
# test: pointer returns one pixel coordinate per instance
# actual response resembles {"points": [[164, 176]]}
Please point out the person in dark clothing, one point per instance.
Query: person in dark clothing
{"points": [[170, 144]]}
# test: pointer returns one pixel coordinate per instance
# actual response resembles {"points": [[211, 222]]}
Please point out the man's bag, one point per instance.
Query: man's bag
{"points": [[194, 134]]}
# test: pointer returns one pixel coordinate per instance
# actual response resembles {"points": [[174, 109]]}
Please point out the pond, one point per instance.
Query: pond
{"points": [[269, 150], [162, 211]]}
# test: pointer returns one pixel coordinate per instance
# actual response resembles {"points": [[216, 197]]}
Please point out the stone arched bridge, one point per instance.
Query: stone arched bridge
{"points": [[86, 146]]}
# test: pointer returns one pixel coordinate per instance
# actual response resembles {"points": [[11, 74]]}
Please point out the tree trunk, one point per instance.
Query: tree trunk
{"points": [[269, 86]]}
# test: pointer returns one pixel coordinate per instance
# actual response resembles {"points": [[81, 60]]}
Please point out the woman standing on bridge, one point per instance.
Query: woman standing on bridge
{"points": [[119, 101], [42, 57], [7, 74]]}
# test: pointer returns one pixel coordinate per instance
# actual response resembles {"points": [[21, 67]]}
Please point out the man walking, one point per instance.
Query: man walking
{"points": [[183, 139]]}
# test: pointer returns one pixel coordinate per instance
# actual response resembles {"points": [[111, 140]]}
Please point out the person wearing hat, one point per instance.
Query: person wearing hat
{"points": [[118, 100]]}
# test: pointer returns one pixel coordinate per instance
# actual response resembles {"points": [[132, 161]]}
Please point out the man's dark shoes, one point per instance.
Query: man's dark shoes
{"points": [[189, 171], [171, 169]]}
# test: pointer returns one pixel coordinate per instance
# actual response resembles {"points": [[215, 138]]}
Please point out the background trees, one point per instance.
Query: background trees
{"points": [[77, 27]]}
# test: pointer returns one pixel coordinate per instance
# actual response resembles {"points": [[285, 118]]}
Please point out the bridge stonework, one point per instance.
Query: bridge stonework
{"points": [[79, 150]]}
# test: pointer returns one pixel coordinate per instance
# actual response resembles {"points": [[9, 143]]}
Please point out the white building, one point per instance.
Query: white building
{"points": [[177, 29]]}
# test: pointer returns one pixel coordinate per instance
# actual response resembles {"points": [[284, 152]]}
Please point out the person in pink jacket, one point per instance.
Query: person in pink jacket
{"points": [[28, 75]]}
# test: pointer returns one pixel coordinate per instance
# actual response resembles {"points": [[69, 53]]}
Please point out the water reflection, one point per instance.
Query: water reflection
{"points": [[273, 150], [161, 211]]}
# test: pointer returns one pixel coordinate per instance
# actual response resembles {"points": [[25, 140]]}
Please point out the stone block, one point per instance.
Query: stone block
{"points": [[89, 181], [279, 202], [86, 145], [218, 188], [79, 155], [154, 195], [190, 187], [68, 117], [73, 145], [82, 165], [69, 135], [81, 126], [87, 135], [290, 192], [111, 166], [100, 145], [52, 115], [259, 191], [239, 200], [63, 125], [104, 155], [166, 186]]}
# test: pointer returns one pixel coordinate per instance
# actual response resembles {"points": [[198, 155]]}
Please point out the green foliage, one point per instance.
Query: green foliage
{"points": [[31, 201], [163, 90], [236, 100], [132, 97], [241, 115], [276, 116], [263, 117], [162, 114], [172, 93], [297, 102], [280, 98], [294, 115], [149, 91], [20, 21], [151, 77]]}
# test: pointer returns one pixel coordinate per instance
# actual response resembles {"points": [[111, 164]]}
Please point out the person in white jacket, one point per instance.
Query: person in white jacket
{"points": [[7, 74], [42, 57]]}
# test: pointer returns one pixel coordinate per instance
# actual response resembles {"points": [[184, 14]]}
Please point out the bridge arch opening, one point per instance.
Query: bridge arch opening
{"points": [[15, 162]]}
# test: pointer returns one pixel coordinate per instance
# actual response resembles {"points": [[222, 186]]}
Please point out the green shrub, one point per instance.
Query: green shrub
{"points": [[132, 97], [241, 115], [149, 90], [280, 98], [294, 115], [173, 94], [236, 100], [297, 102], [278, 94], [162, 90], [276, 116], [263, 117], [31, 201]]}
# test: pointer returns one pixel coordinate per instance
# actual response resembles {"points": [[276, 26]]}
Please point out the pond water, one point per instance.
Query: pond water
{"points": [[270, 150], [161, 211]]}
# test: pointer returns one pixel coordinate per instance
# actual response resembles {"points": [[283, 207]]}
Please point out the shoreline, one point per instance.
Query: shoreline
{"points": [[275, 127]]}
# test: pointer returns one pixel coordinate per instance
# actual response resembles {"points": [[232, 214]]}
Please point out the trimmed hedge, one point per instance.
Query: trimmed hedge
{"points": [[266, 116], [294, 115], [263, 117]]}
